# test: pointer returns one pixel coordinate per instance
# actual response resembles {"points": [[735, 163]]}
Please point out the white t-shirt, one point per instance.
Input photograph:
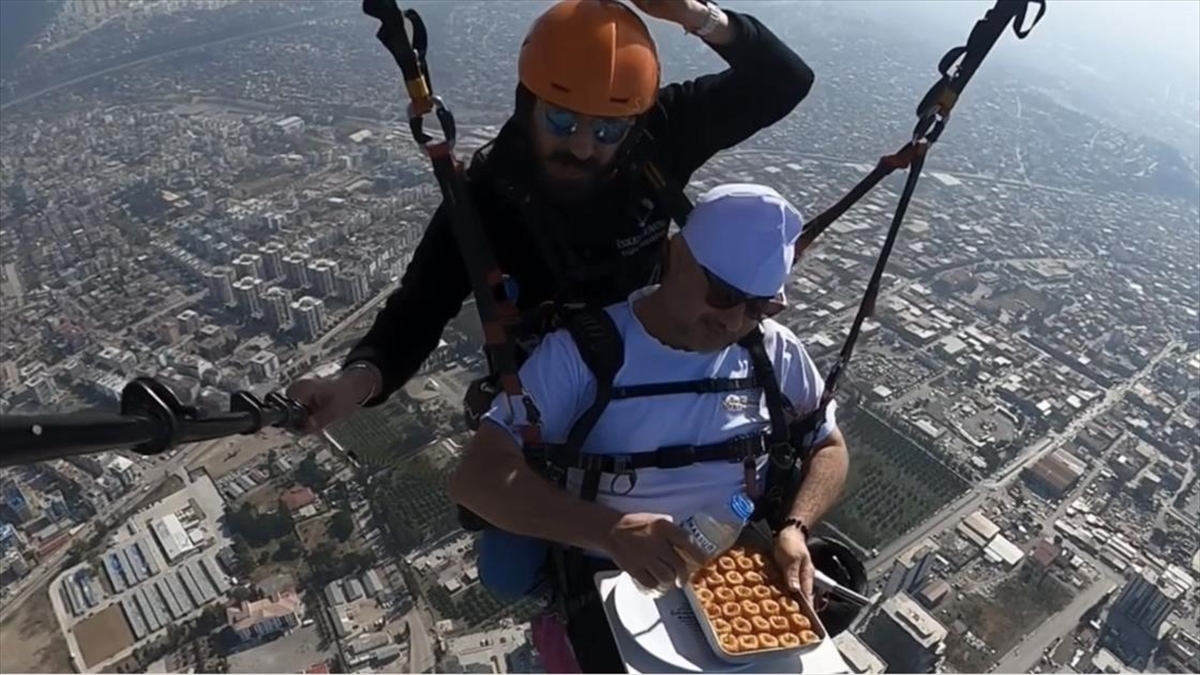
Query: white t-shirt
{"points": [[563, 387]]}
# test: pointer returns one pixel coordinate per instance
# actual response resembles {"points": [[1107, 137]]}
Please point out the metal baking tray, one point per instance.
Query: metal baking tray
{"points": [[752, 539]]}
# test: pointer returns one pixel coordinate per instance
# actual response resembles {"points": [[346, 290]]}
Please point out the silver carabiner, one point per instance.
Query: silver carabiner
{"points": [[622, 470]]}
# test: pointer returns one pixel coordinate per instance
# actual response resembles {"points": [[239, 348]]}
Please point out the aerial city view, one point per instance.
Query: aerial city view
{"points": [[222, 195]]}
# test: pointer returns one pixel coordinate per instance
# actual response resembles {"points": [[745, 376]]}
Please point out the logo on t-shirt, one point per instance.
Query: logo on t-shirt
{"points": [[736, 402]]}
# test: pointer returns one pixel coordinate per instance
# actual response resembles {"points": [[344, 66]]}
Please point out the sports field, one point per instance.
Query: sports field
{"points": [[102, 636]]}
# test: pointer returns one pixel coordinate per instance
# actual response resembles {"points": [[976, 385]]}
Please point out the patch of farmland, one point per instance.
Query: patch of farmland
{"points": [[894, 484], [411, 499], [382, 435]]}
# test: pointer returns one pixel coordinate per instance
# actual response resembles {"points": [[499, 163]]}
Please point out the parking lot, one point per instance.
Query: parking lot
{"points": [[292, 653]]}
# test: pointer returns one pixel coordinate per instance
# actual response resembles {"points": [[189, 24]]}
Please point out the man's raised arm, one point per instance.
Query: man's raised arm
{"points": [[765, 81]]}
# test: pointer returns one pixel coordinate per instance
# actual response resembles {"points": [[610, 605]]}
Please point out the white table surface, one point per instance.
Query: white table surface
{"points": [[824, 659]]}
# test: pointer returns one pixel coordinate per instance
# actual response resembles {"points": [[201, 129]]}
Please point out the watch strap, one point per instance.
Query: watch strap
{"points": [[797, 523], [710, 23], [370, 368]]}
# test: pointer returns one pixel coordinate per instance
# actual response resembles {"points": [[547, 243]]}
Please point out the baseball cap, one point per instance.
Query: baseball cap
{"points": [[745, 234]]}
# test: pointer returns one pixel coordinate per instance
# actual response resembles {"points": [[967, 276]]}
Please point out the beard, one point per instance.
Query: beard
{"points": [[567, 180]]}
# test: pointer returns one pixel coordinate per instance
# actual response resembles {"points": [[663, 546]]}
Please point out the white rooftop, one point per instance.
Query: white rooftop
{"points": [[858, 655], [919, 623], [1002, 550]]}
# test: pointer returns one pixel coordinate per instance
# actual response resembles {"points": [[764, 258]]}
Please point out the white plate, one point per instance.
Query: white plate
{"points": [[666, 628]]}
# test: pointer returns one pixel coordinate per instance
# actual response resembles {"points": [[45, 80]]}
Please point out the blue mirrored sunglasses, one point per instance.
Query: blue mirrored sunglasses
{"points": [[605, 130]]}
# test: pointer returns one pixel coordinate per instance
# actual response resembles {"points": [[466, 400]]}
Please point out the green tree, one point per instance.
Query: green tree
{"points": [[280, 524], [272, 457], [210, 619], [243, 553], [341, 526], [245, 593], [246, 522], [311, 474], [289, 549], [323, 563]]}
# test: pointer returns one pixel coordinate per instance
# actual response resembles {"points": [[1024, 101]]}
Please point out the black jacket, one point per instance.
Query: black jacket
{"points": [[622, 230]]}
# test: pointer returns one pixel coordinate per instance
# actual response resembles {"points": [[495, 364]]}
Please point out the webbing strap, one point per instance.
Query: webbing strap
{"points": [[494, 295], [867, 307], [933, 113], [672, 195], [957, 68], [668, 457], [702, 386], [765, 371], [779, 447]]}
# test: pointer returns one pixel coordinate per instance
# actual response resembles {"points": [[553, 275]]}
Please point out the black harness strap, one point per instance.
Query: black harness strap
{"points": [[602, 349], [668, 457], [935, 106], [779, 447], [704, 386], [933, 112], [494, 296]]}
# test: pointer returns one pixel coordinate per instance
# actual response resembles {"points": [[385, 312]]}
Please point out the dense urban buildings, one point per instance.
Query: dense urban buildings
{"points": [[221, 194]]}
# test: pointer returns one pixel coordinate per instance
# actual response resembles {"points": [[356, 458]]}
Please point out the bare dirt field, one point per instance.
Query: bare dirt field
{"points": [[265, 497], [165, 489], [292, 653], [31, 638], [312, 532], [102, 636], [236, 451]]}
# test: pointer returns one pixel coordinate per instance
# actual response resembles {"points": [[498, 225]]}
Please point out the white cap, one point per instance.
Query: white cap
{"points": [[746, 235]]}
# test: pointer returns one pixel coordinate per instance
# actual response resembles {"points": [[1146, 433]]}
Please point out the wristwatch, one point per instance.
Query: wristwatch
{"points": [[711, 22], [370, 368], [793, 522]]}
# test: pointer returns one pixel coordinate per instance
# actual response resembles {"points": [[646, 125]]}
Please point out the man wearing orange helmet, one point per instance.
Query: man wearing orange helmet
{"points": [[561, 191]]}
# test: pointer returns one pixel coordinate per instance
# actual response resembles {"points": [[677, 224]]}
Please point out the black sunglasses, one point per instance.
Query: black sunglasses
{"points": [[722, 295]]}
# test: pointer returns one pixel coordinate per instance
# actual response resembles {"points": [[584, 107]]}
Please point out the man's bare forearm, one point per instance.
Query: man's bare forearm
{"points": [[496, 483], [824, 481]]}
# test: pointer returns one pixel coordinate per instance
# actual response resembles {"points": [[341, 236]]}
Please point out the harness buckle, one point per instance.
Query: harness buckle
{"points": [[782, 455], [533, 416], [622, 469], [416, 122]]}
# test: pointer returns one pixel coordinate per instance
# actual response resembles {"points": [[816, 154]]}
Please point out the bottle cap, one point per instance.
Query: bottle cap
{"points": [[742, 506]]}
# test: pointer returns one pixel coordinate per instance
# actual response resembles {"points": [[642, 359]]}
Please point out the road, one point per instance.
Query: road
{"points": [[945, 519], [1113, 396], [137, 62], [420, 650], [168, 309], [950, 516], [1023, 657], [307, 356]]}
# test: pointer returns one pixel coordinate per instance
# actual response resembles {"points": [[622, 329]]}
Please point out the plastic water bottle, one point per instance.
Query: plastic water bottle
{"points": [[713, 533]]}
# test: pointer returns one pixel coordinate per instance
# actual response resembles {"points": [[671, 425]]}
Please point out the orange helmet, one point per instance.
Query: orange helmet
{"points": [[594, 57]]}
